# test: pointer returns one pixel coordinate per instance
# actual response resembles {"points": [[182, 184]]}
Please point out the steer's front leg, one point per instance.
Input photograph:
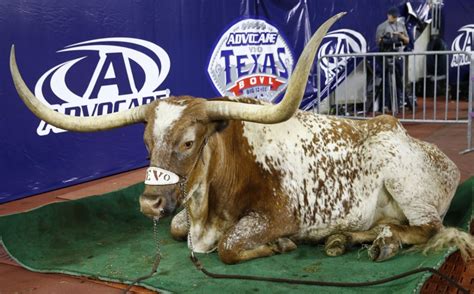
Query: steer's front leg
{"points": [[180, 226], [255, 235]]}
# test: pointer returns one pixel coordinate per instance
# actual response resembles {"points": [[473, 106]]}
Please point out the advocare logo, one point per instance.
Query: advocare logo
{"points": [[252, 59], [341, 41], [463, 42], [113, 74]]}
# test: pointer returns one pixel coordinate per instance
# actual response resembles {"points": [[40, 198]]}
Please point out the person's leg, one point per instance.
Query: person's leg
{"points": [[388, 84], [398, 62]]}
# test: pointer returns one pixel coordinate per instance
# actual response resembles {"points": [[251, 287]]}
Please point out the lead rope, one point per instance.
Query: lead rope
{"points": [[190, 239], [154, 269], [188, 217], [157, 257]]}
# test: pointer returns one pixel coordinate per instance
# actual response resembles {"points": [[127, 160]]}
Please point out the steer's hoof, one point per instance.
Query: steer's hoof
{"points": [[383, 252], [383, 249], [282, 245], [336, 244]]}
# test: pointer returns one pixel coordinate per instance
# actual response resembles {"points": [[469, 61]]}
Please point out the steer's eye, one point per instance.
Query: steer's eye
{"points": [[188, 144]]}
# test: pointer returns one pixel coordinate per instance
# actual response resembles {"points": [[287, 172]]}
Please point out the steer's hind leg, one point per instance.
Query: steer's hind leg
{"points": [[387, 239], [391, 238], [255, 235], [337, 244], [419, 204]]}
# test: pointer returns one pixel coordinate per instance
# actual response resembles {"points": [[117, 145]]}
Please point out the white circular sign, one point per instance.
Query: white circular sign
{"points": [[251, 59]]}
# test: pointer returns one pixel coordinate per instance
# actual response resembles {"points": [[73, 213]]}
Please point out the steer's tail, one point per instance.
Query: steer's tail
{"points": [[451, 237]]}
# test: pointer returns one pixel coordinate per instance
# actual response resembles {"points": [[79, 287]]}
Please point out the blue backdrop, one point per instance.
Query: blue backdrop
{"points": [[132, 36]]}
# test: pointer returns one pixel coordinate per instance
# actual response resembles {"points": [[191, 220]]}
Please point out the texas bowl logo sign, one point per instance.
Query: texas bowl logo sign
{"points": [[111, 75], [463, 42], [251, 58], [341, 41]]}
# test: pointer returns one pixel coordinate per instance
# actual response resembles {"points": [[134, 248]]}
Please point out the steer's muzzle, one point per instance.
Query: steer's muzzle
{"points": [[158, 202]]}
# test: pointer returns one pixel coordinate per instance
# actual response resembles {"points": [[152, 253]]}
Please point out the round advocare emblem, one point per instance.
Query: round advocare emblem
{"points": [[156, 176], [251, 59], [463, 42]]}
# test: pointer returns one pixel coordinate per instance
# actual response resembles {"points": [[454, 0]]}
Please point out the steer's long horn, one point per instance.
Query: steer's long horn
{"points": [[72, 123], [269, 114]]}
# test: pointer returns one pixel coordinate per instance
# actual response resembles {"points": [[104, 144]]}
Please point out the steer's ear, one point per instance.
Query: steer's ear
{"points": [[220, 125]]}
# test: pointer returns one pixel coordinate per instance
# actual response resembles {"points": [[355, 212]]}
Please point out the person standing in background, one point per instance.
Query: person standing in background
{"points": [[391, 36]]}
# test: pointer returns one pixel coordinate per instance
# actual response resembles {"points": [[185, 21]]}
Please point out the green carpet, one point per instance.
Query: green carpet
{"points": [[106, 237]]}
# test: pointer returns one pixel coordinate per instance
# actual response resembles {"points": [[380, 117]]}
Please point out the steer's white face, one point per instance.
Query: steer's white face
{"points": [[174, 136]]}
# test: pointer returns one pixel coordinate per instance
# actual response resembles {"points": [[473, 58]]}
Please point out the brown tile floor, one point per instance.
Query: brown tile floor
{"points": [[13, 279]]}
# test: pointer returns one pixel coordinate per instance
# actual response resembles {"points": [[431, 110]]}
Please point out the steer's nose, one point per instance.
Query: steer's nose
{"points": [[153, 206]]}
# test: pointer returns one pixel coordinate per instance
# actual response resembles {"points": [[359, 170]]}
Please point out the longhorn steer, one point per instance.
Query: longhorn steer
{"points": [[261, 177]]}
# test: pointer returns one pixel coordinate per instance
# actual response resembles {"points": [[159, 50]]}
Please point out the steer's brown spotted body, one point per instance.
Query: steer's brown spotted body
{"points": [[304, 179]]}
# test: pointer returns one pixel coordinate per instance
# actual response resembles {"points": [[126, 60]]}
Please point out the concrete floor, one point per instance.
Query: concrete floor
{"points": [[14, 279]]}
